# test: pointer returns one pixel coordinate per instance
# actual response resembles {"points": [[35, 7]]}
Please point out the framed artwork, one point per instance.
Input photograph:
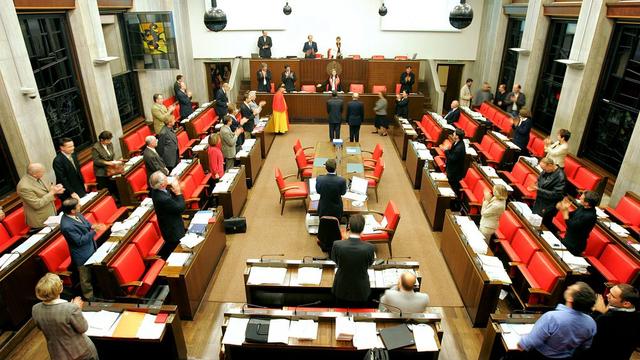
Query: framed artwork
{"points": [[152, 40]]}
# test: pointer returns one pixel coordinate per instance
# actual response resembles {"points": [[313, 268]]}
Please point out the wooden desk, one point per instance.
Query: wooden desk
{"points": [[433, 202], [326, 345], [400, 137], [252, 163], [127, 198], [493, 345], [266, 135], [313, 106], [188, 283], [414, 165], [189, 127], [290, 293], [325, 149], [478, 293], [233, 200], [348, 208], [171, 344]]}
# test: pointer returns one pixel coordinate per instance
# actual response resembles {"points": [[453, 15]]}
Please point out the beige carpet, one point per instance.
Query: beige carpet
{"points": [[269, 233]]}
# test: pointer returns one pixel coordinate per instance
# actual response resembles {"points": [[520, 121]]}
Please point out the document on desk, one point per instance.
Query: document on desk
{"points": [[511, 333], [353, 196], [53, 221], [319, 161], [370, 225], [101, 323], [446, 191], [266, 275], [278, 331], [129, 324], [85, 199], [354, 168], [149, 329], [425, 155], [438, 176], [552, 240], [365, 336], [425, 338], [353, 150], [236, 331], [191, 240], [202, 217], [345, 328], [7, 259], [303, 329], [308, 275], [178, 259], [102, 252]]}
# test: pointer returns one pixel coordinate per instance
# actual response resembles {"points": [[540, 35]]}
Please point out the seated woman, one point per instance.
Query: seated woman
{"points": [[492, 209]]}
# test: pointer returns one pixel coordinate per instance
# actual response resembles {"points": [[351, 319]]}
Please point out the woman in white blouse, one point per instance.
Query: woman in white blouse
{"points": [[558, 150], [492, 208]]}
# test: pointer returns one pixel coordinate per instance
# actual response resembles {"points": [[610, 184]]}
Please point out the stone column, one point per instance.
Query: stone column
{"points": [[88, 38], [23, 120], [492, 37], [589, 47], [628, 178], [536, 27]]}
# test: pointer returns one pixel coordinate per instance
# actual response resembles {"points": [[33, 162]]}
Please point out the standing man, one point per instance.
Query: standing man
{"points": [[168, 145], [482, 95], [403, 297], [579, 222], [549, 190], [229, 139], [501, 96], [169, 205], [455, 160], [264, 78], [160, 113], [222, 100], [184, 99], [355, 115], [310, 48], [402, 104], [288, 79], [37, 198], [353, 257], [178, 84], [152, 161], [79, 233], [522, 125], [103, 157], [561, 333], [334, 109], [67, 169], [465, 93], [514, 100], [331, 187], [407, 79], [264, 45], [454, 114]]}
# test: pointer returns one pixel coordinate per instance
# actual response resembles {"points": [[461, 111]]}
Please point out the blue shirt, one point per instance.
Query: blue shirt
{"points": [[558, 333]]}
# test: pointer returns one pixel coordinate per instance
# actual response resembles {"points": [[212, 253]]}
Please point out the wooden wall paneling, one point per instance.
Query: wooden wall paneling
{"points": [[624, 10], [277, 67], [115, 4], [387, 72], [44, 4], [563, 9]]}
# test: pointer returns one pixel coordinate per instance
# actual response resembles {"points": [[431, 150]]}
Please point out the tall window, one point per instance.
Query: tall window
{"points": [[617, 101], [8, 176], [515, 29], [559, 40], [52, 59]]}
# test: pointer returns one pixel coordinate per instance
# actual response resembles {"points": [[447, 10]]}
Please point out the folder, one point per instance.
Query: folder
{"points": [[397, 337], [129, 324]]}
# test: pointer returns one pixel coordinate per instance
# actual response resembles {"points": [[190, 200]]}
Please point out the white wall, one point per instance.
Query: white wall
{"points": [[356, 21]]}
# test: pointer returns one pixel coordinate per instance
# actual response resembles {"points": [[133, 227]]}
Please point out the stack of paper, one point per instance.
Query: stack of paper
{"points": [[424, 337], [221, 187], [471, 151], [53, 221], [500, 136], [309, 275], [191, 240], [102, 252], [202, 217], [497, 181], [267, 275], [147, 202], [489, 171], [101, 323], [474, 237], [248, 144], [278, 331], [371, 224], [178, 259], [616, 228], [494, 269], [511, 333], [576, 263], [313, 193], [418, 145], [424, 154], [150, 329], [303, 330], [242, 153], [236, 331], [522, 208], [446, 191], [199, 147], [345, 328], [366, 337], [85, 199], [438, 176], [601, 214], [552, 240]]}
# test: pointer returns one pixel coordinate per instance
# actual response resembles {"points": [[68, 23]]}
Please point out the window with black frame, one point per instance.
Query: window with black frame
{"points": [[617, 103], [48, 42], [558, 46], [515, 29]]}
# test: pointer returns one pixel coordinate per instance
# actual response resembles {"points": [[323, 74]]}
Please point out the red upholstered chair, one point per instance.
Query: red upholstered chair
{"points": [[398, 87], [308, 88], [536, 146], [541, 277], [356, 88], [615, 265], [297, 146], [57, 259], [138, 182], [191, 192], [148, 241], [571, 167], [390, 220], [470, 179], [375, 177], [272, 88], [401, 57], [377, 57], [627, 211], [507, 226], [525, 193], [518, 173], [185, 144], [475, 196], [132, 274], [168, 102], [496, 154], [15, 222], [305, 171], [355, 57], [521, 248], [199, 176], [379, 88], [6, 239], [143, 132], [154, 220], [106, 211], [133, 144], [585, 179], [89, 176], [318, 56], [92, 219], [484, 147], [596, 242], [376, 154], [291, 190]]}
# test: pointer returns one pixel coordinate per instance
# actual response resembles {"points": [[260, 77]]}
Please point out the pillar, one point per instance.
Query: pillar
{"points": [[628, 178], [491, 47]]}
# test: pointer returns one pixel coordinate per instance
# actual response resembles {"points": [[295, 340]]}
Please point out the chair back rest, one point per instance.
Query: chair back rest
{"points": [[621, 265], [128, 266], [279, 179], [392, 215], [587, 179], [138, 179], [133, 142], [145, 239], [596, 242], [356, 88], [377, 152], [630, 209], [530, 180], [143, 132], [56, 254], [297, 146], [328, 232], [103, 210], [523, 245], [472, 177], [183, 140], [308, 88], [486, 142], [537, 146], [519, 172], [377, 57], [480, 188], [301, 160], [188, 186], [543, 271], [197, 172], [16, 223], [87, 172], [4, 237], [379, 88], [379, 169], [497, 152], [398, 87], [508, 225], [570, 167]]}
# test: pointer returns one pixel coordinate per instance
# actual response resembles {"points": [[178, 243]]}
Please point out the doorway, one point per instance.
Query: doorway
{"points": [[450, 76], [218, 73]]}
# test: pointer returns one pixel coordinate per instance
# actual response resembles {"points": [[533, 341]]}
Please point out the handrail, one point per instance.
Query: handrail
{"points": [[433, 86]]}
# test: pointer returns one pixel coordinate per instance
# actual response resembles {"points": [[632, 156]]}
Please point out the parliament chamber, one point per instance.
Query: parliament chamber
{"points": [[140, 144]]}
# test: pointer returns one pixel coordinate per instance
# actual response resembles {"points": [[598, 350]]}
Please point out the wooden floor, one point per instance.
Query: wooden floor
{"points": [[268, 232]]}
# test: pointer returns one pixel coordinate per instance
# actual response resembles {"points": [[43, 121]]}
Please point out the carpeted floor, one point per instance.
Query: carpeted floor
{"points": [[269, 233]]}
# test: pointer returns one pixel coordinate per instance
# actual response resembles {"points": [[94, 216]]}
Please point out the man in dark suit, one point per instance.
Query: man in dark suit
{"points": [[264, 78], [580, 222], [521, 129], [79, 233], [353, 258], [152, 161], [264, 45], [168, 145], [67, 170], [169, 205], [402, 105], [334, 109], [222, 100], [178, 84], [549, 190], [288, 78], [355, 115], [454, 114], [455, 160], [310, 48], [407, 78], [184, 99], [331, 187]]}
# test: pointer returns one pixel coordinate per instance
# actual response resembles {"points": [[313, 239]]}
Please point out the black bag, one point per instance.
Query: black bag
{"points": [[235, 225], [257, 330], [377, 354]]}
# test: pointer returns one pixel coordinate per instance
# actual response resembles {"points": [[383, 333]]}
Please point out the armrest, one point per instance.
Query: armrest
{"points": [[288, 176], [290, 187], [475, 203], [192, 200], [367, 151], [388, 230], [516, 263], [370, 159], [539, 291], [306, 167], [374, 212], [152, 258], [372, 177], [132, 283], [307, 148], [141, 192], [368, 167], [63, 273]]}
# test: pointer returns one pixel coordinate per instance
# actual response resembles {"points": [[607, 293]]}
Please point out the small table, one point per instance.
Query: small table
{"points": [[233, 200], [252, 163], [433, 201]]}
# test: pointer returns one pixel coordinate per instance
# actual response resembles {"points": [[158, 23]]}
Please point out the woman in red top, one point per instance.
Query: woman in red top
{"points": [[216, 159]]}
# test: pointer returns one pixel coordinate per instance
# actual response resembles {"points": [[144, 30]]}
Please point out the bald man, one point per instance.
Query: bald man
{"points": [[37, 197], [403, 297]]}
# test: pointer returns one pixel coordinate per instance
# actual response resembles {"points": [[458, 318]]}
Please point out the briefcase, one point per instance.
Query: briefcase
{"points": [[235, 225], [115, 169], [257, 330]]}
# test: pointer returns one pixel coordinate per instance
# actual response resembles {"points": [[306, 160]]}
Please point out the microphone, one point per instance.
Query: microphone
{"points": [[246, 305], [262, 256], [388, 306], [295, 311]]}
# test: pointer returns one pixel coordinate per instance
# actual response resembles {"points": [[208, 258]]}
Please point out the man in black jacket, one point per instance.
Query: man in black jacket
{"points": [[168, 145], [521, 129], [579, 222], [454, 114], [355, 115], [169, 205], [152, 160], [402, 105], [184, 99], [67, 170], [407, 78], [264, 78], [549, 190], [222, 99], [264, 45], [353, 258], [334, 109], [331, 187], [288, 78], [455, 160]]}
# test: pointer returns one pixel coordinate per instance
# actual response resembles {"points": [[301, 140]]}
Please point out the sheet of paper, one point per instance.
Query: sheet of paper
{"points": [[425, 155], [438, 176], [308, 275], [278, 331], [303, 330], [236, 331], [511, 333], [365, 336], [312, 186], [178, 259], [101, 323], [7, 259], [53, 221], [314, 197], [202, 217], [191, 240], [370, 224], [552, 240], [266, 275], [27, 244], [446, 191], [129, 324], [425, 338], [345, 328], [355, 196], [499, 135], [359, 185], [149, 329]]}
